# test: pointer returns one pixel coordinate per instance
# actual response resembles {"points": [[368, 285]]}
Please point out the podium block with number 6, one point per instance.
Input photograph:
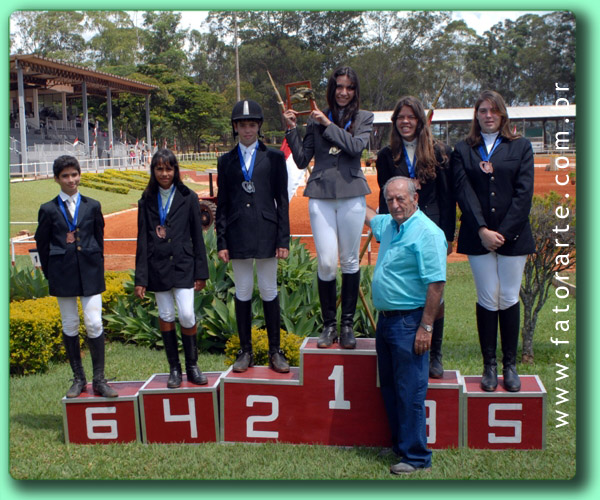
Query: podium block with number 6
{"points": [[91, 419]]}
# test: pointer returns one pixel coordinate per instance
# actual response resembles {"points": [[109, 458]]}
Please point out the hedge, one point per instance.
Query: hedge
{"points": [[35, 335], [36, 330]]}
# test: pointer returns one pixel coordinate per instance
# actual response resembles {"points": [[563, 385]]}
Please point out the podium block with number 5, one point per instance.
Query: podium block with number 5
{"points": [[502, 419]]}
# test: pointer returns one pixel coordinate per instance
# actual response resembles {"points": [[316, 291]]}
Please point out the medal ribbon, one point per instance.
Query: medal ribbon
{"points": [[411, 166], [346, 127], [162, 212], [486, 156], [247, 171], [72, 225]]}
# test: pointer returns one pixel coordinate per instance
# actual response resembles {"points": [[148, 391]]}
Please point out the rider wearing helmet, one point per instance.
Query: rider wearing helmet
{"points": [[253, 228]]}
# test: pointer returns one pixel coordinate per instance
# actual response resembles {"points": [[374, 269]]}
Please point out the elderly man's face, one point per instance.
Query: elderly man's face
{"points": [[399, 201]]}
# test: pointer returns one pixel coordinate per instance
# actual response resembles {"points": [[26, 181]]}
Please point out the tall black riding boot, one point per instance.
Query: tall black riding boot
{"points": [[509, 335], [190, 350], [243, 316], [436, 369], [328, 298], [487, 327], [169, 336], [350, 287], [74, 355], [277, 361], [99, 382]]}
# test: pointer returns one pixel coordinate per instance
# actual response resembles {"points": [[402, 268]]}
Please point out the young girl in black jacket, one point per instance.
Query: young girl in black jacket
{"points": [[171, 260]]}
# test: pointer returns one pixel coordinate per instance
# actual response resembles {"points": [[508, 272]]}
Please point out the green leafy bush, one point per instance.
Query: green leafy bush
{"points": [[35, 336], [27, 284], [290, 345]]}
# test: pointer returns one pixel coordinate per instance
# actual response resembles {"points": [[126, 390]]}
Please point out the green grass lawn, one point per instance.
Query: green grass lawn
{"points": [[37, 449]]}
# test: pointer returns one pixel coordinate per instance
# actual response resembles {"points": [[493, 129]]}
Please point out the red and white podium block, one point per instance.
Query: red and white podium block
{"points": [[91, 419], [260, 405], [443, 411], [188, 414], [502, 419], [333, 398]]}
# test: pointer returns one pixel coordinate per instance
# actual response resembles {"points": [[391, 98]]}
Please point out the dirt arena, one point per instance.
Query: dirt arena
{"points": [[119, 255]]}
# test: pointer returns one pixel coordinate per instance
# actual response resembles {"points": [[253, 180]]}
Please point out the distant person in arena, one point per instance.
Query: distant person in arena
{"points": [[493, 180]]}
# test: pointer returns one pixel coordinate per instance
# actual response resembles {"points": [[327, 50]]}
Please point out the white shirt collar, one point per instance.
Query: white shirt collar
{"points": [[489, 139], [64, 196], [249, 149]]}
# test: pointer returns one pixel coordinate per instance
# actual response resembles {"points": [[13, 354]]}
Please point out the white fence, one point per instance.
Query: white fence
{"points": [[43, 169]]}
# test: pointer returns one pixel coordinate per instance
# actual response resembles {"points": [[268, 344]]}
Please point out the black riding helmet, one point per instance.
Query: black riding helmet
{"points": [[246, 110]]}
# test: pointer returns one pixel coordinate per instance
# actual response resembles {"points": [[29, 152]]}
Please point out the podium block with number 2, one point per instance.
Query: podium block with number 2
{"points": [[333, 398]]}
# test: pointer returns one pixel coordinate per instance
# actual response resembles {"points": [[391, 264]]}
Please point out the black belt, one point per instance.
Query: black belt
{"points": [[389, 314]]}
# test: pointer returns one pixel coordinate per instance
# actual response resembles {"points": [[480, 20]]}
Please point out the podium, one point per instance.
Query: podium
{"points": [[188, 414], [502, 419], [91, 419], [332, 398]]}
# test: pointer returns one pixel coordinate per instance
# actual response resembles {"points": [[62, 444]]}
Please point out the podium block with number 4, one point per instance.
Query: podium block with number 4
{"points": [[188, 414]]}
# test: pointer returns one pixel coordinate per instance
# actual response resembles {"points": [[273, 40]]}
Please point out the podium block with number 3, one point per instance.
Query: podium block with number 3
{"points": [[333, 398]]}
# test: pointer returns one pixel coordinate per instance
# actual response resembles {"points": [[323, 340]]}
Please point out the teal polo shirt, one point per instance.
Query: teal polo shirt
{"points": [[411, 256]]}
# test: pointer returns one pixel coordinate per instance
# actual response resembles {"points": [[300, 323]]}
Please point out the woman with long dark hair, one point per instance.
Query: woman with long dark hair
{"points": [[414, 153], [171, 260], [493, 177], [335, 138]]}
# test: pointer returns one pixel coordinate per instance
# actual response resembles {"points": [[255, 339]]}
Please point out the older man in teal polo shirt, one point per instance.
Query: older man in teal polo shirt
{"points": [[408, 285]]}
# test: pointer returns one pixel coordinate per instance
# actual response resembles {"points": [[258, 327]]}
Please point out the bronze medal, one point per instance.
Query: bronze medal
{"points": [[71, 237], [486, 166], [161, 231]]}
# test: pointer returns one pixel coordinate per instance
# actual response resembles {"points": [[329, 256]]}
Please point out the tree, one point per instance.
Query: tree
{"points": [[163, 41], [116, 43], [552, 220], [53, 34], [211, 60]]}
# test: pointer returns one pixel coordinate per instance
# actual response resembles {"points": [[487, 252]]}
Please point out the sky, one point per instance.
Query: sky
{"points": [[480, 21]]}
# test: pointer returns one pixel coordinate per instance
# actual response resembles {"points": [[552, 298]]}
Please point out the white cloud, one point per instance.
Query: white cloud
{"points": [[482, 21]]}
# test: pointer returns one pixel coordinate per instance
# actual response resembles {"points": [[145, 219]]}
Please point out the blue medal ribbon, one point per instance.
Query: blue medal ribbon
{"points": [[346, 127], [162, 212], [71, 224], [247, 171], [485, 156], [409, 164]]}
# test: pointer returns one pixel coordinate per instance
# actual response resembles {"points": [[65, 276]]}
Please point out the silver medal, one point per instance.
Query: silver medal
{"points": [[248, 186]]}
